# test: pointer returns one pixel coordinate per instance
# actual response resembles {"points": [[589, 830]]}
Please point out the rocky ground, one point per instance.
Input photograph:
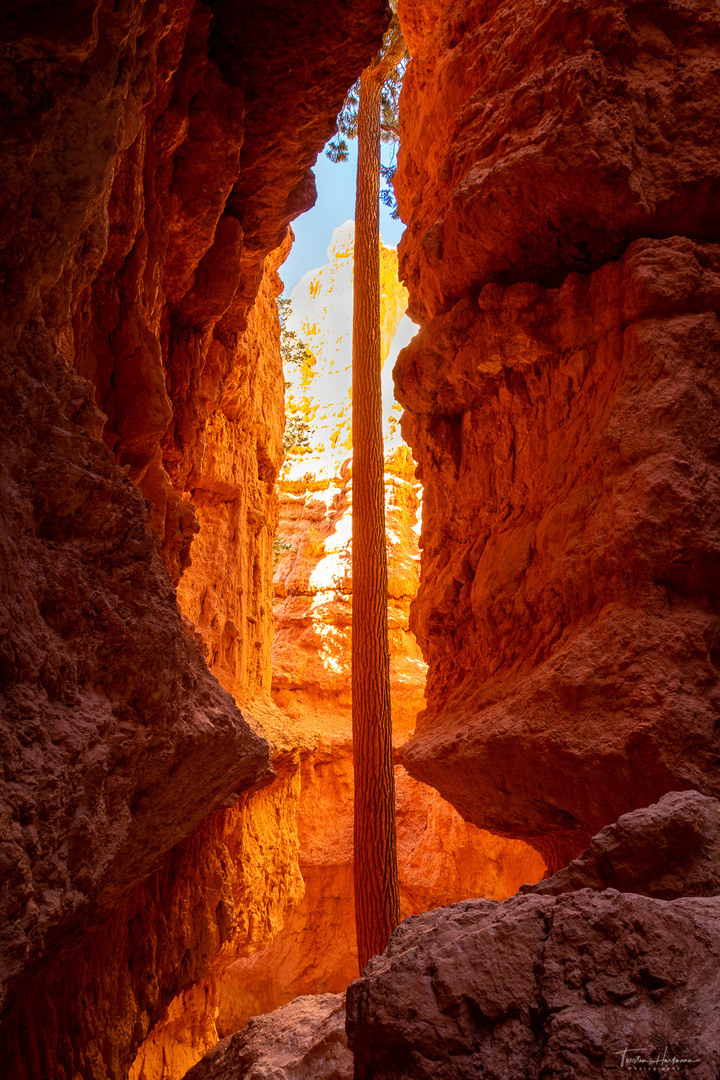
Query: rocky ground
{"points": [[569, 978]]}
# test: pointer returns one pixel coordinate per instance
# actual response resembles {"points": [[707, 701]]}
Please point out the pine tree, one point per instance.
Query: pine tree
{"points": [[370, 114]]}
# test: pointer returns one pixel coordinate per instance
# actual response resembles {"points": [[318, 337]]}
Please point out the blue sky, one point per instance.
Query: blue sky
{"points": [[335, 205]]}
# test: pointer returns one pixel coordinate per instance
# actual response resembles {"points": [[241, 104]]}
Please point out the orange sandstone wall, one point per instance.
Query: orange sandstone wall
{"points": [[223, 594], [442, 858], [560, 176], [224, 599], [254, 883], [140, 202], [313, 594], [226, 592]]}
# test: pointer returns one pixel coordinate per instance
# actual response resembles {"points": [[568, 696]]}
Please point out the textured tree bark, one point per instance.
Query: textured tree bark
{"points": [[377, 897]]}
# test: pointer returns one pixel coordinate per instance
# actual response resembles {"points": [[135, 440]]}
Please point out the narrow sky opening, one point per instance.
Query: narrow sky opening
{"points": [[335, 205]]}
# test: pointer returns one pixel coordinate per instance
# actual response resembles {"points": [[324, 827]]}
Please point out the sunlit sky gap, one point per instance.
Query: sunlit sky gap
{"points": [[335, 204]]}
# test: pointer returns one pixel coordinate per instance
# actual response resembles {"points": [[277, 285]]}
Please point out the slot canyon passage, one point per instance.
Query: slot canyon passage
{"points": [[176, 832]]}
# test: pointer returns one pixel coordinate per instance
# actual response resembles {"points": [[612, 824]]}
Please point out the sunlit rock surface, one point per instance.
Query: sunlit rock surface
{"points": [[255, 884], [559, 174], [226, 591], [441, 857], [312, 581]]}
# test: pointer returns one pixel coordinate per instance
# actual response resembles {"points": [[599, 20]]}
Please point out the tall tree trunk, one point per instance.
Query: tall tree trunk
{"points": [[377, 894]]}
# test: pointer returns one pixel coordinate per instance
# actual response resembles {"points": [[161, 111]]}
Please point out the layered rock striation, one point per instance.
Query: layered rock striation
{"points": [[142, 198], [313, 576], [559, 176]]}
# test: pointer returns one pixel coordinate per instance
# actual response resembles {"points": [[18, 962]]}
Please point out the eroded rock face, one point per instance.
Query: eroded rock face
{"points": [[537, 141], [227, 591], [253, 883], [564, 981], [540, 985], [110, 759], [227, 885], [668, 850], [572, 524], [565, 426], [140, 202]]}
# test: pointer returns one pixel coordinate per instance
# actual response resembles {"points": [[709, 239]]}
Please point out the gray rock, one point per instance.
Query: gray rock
{"points": [[667, 850], [304, 1040], [570, 986]]}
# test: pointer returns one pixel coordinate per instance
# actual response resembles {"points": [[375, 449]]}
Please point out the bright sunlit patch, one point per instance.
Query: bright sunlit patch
{"points": [[333, 571], [319, 392], [318, 465], [333, 647]]}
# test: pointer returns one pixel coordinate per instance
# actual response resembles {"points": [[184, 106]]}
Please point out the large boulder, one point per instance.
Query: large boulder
{"points": [[567, 979], [577, 985], [668, 850], [305, 1039]]}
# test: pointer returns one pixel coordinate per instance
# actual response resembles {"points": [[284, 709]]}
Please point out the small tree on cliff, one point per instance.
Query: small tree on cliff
{"points": [[294, 353], [370, 114]]}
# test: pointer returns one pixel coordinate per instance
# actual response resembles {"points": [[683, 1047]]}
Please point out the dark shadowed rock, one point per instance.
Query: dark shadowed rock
{"points": [[667, 850], [151, 162], [542, 986]]}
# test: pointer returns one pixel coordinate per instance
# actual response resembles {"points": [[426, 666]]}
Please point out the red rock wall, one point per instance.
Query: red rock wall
{"points": [[227, 886], [242, 874], [560, 177], [227, 591], [116, 740], [442, 859], [141, 197], [538, 141]]}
